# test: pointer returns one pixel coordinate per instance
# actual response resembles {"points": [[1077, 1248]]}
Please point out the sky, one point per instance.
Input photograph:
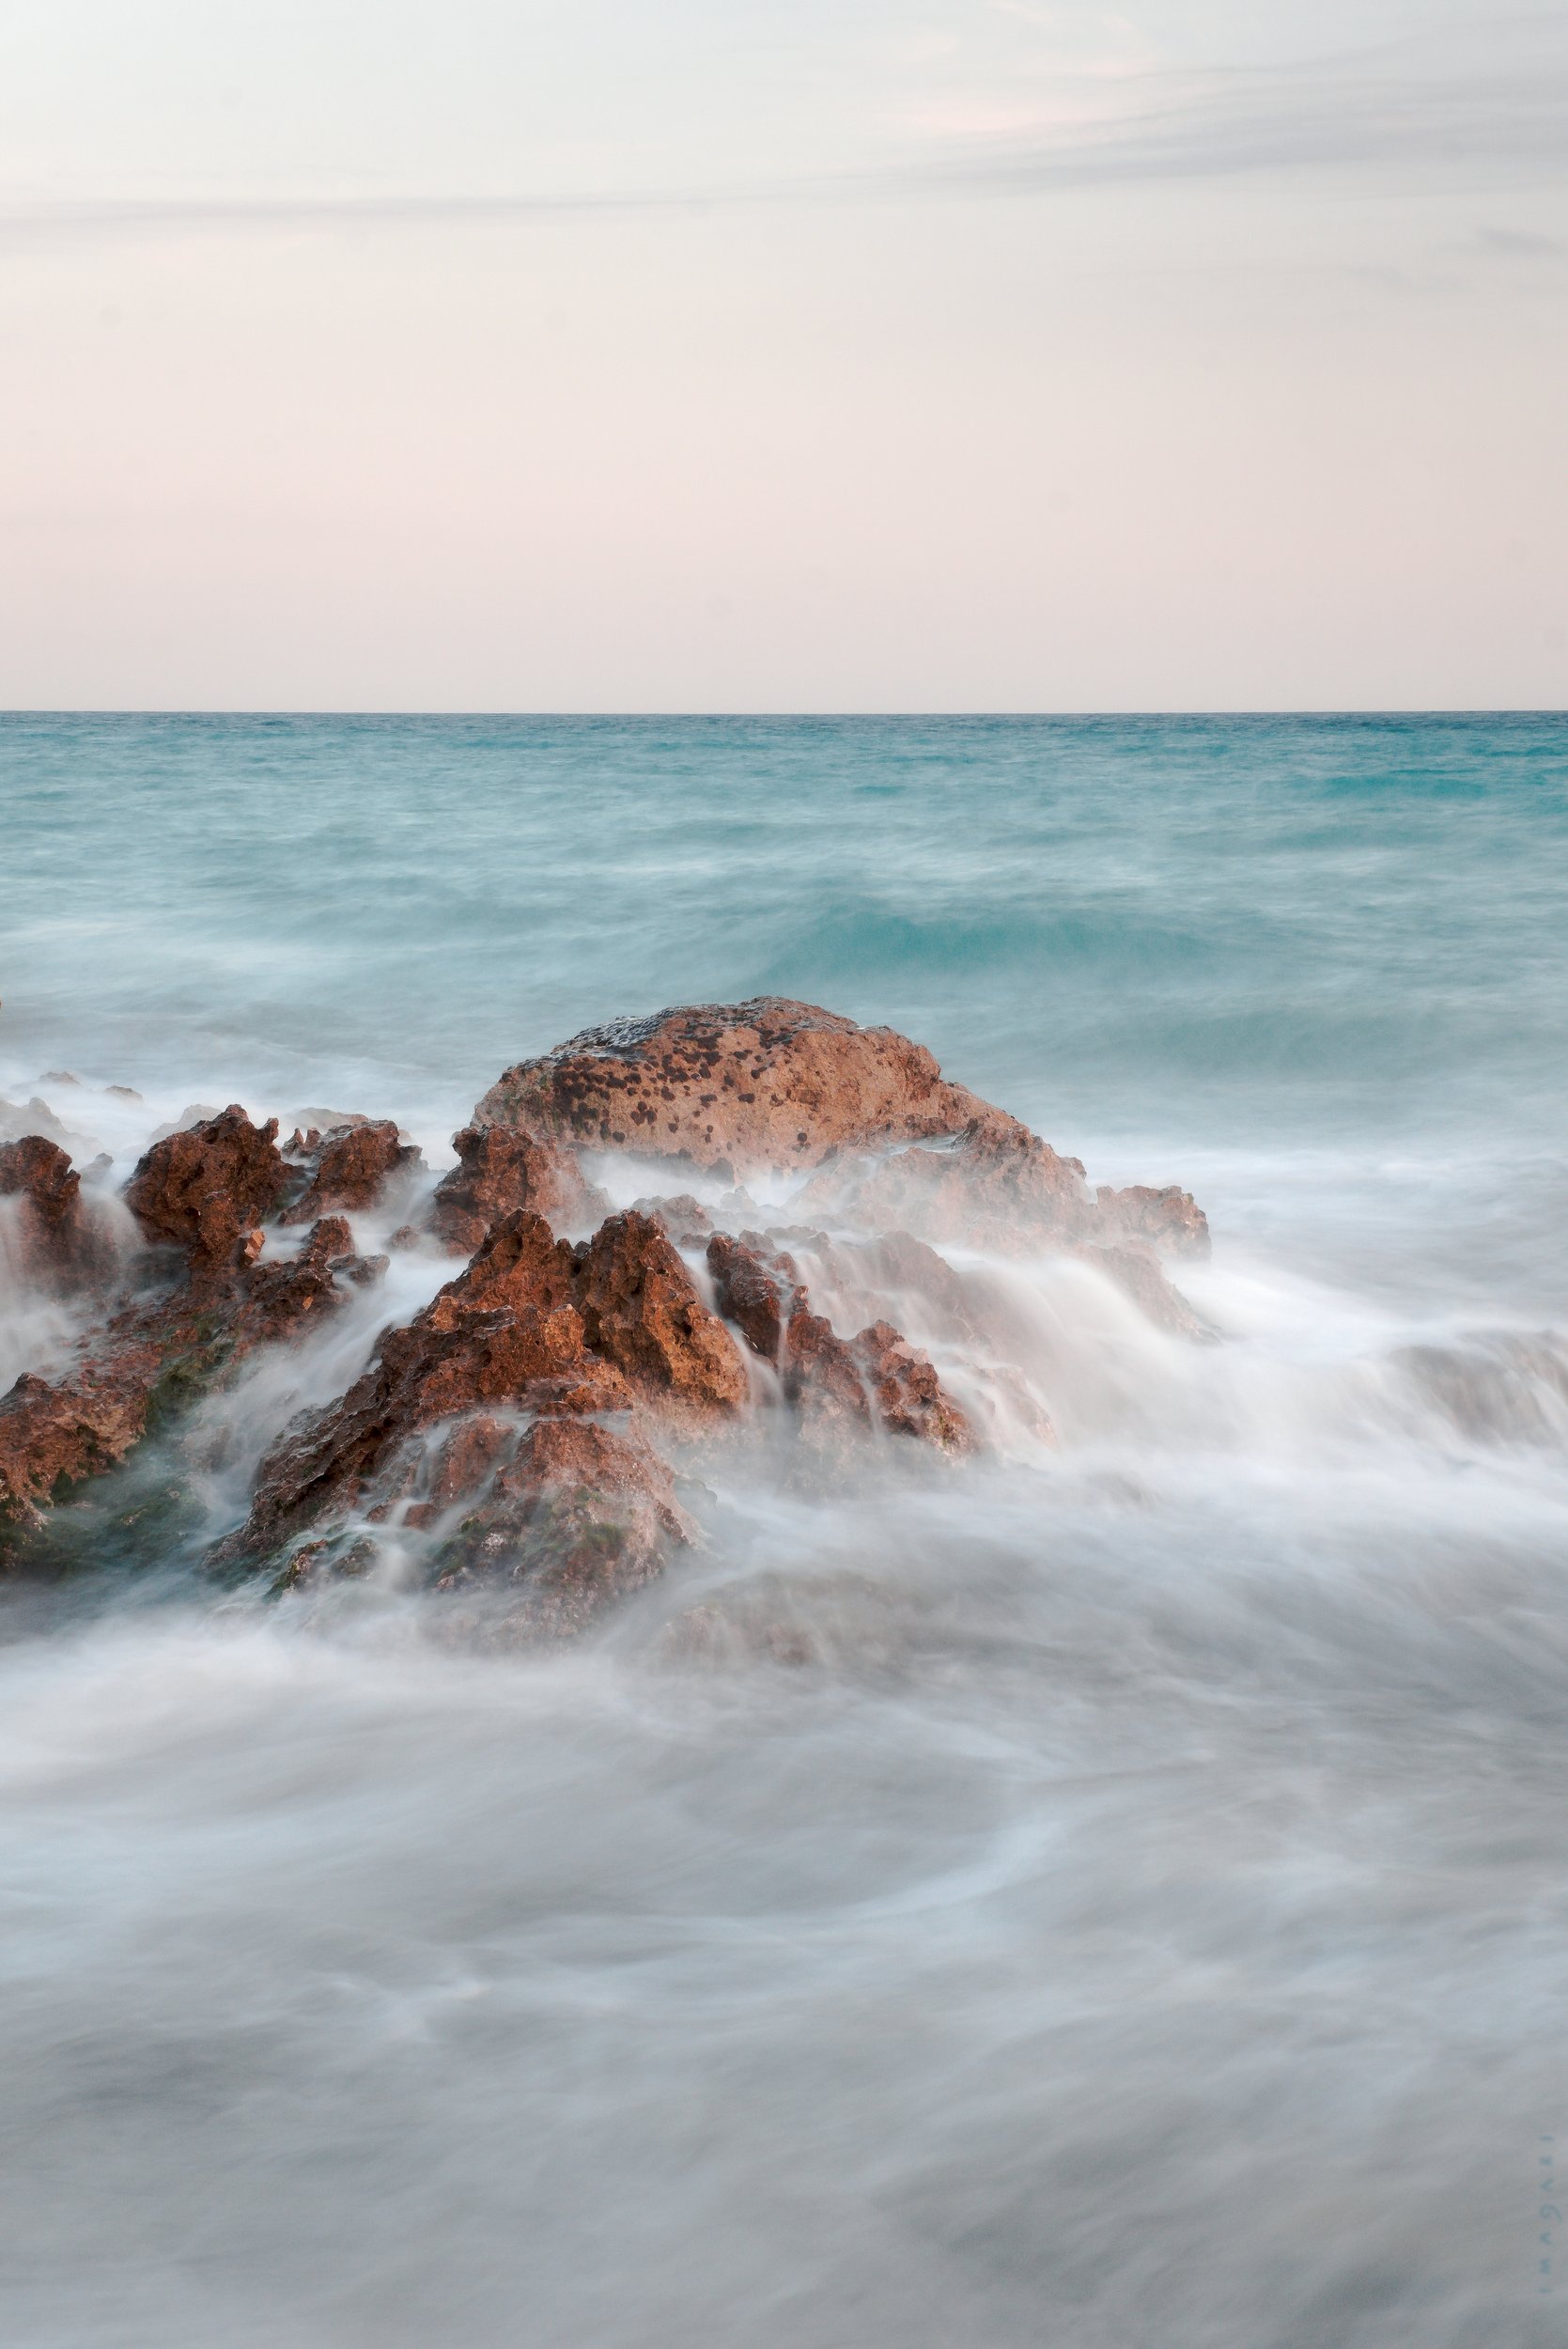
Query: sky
{"points": [[731, 354]]}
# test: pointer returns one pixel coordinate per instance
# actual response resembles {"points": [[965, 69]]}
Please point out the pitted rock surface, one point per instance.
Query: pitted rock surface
{"points": [[765, 1084], [351, 1169], [201, 1188], [500, 1171]]}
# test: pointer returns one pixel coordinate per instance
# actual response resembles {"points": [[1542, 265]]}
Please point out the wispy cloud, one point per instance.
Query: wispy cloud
{"points": [[1484, 112], [1498, 107]]}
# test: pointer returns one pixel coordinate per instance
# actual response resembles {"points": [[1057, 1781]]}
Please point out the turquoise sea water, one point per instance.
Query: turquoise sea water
{"points": [[1143, 1924]]}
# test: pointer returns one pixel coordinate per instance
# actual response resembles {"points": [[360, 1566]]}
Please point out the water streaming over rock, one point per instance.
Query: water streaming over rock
{"points": [[1106, 1890]]}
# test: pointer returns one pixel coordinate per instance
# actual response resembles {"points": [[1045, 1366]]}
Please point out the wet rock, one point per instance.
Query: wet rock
{"points": [[773, 1085], [60, 1242], [1136, 1272], [354, 1166], [876, 1378], [685, 1219], [280, 1292], [1169, 1218], [502, 1172], [642, 1312], [505, 1330], [54, 1434], [201, 1188], [577, 1518], [765, 1084]]}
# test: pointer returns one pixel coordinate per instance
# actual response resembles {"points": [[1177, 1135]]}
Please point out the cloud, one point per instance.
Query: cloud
{"points": [[1488, 105], [1496, 104]]}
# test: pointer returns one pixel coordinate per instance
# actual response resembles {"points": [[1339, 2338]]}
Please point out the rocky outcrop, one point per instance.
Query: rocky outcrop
{"points": [[511, 1444], [59, 1243], [533, 1325], [872, 1379], [157, 1348], [351, 1168], [577, 1519], [765, 1084], [502, 1172], [773, 1085], [199, 1190], [641, 1311]]}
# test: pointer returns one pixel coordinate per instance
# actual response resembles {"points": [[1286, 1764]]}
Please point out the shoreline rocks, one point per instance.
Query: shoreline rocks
{"points": [[516, 1435]]}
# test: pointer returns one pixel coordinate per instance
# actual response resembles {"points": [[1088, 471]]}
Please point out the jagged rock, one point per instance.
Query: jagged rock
{"points": [[1169, 1219], [501, 1172], [160, 1352], [531, 1324], [641, 1311], [1136, 1272], [683, 1217], [54, 1434], [61, 1243], [281, 1290], [876, 1378], [199, 1189], [354, 1166], [577, 1518]]}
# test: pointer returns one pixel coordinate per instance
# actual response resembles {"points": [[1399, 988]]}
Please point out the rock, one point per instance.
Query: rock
{"points": [[1136, 1270], [22, 1121], [200, 1188], [507, 1330], [773, 1085], [54, 1434], [501, 1172], [905, 1392], [280, 1292], [683, 1217], [876, 1378], [61, 1242], [641, 1311], [1169, 1219], [354, 1166], [159, 1353], [765, 1084], [577, 1518], [531, 1324]]}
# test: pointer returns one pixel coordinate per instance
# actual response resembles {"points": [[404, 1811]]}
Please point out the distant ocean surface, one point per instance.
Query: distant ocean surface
{"points": [[1151, 1929]]}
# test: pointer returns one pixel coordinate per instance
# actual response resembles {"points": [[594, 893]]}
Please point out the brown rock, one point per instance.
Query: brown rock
{"points": [[502, 1172], [642, 1312], [764, 1084], [60, 1244], [279, 1293], [1170, 1220], [577, 1518], [773, 1084], [505, 1330], [876, 1378], [905, 1392], [202, 1188], [53, 1435], [352, 1168]]}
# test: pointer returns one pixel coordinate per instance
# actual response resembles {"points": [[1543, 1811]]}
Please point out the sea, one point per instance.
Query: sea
{"points": [[1131, 1910]]}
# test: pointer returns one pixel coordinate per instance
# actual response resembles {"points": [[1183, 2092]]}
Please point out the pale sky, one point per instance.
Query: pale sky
{"points": [[578, 354]]}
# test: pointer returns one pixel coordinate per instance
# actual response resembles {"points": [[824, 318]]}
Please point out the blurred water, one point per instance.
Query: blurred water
{"points": [[1138, 1918]]}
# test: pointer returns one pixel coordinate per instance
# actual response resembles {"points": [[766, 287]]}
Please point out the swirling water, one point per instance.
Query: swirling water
{"points": [[1142, 1919]]}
